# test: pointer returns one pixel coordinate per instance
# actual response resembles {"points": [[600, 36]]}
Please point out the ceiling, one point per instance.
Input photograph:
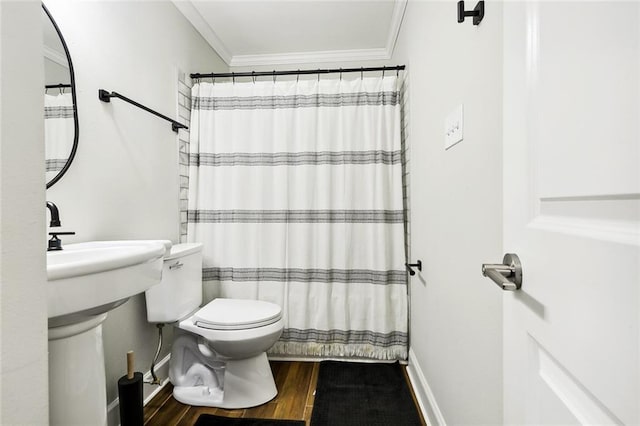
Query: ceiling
{"points": [[261, 32]]}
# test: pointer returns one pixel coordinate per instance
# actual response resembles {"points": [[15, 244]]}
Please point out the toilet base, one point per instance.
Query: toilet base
{"points": [[247, 383]]}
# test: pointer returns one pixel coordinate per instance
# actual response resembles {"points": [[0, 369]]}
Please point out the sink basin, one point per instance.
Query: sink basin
{"points": [[87, 279]]}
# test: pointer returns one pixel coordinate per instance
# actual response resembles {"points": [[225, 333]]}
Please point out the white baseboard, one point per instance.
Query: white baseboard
{"points": [[424, 395], [148, 391]]}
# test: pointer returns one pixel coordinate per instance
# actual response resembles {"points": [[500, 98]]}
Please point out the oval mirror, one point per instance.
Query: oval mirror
{"points": [[60, 108]]}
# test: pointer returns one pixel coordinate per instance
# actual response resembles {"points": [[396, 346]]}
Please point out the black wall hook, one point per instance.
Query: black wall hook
{"points": [[410, 267], [477, 12]]}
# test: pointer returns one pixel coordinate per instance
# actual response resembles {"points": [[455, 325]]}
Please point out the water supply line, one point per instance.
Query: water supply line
{"points": [[155, 380]]}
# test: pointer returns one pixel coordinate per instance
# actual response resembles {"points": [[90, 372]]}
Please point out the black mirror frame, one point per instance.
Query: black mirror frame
{"points": [[57, 177]]}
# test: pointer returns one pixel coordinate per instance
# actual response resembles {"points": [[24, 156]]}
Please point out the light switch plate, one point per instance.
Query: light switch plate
{"points": [[453, 127]]}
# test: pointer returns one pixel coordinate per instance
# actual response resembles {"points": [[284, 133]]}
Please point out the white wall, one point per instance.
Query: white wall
{"points": [[123, 183], [456, 208], [23, 298]]}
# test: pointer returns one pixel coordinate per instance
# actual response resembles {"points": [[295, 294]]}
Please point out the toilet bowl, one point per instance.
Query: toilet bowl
{"points": [[218, 357]]}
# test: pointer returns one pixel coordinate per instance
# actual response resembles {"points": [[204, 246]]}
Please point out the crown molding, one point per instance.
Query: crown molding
{"points": [[191, 13], [396, 23], [384, 53], [55, 56], [310, 57]]}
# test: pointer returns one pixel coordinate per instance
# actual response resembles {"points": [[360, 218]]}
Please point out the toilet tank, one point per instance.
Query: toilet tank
{"points": [[180, 290]]}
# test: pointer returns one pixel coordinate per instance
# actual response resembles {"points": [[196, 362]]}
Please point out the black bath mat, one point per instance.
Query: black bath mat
{"points": [[211, 420], [359, 394]]}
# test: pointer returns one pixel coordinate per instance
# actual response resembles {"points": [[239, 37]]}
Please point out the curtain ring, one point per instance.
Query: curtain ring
{"points": [[213, 78], [397, 72], [383, 70], [253, 76], [233, 77], [361, 73], [61, 91], [274, 76], [340, 74], [318, 75], [298, 76]]}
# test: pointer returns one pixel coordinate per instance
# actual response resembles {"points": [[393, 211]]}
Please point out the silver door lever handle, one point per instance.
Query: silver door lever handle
{"points": [[507, 275]]}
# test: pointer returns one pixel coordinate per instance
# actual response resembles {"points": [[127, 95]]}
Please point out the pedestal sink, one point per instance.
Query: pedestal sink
{"points": [[85, 281]]}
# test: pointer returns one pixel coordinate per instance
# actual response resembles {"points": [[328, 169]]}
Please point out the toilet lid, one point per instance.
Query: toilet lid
{"points": [[237, 314]]}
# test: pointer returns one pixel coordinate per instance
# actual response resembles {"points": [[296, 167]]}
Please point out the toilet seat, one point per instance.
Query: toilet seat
{"points": [[236, 314]]}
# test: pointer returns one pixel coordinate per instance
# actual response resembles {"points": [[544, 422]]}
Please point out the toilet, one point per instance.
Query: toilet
{"points": [[218, 357]]}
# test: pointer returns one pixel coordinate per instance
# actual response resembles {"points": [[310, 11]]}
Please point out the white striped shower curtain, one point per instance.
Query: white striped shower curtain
{"points": [[59, 132], [295, 190]]}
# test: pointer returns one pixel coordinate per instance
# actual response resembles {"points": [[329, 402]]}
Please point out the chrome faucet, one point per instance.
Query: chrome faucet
{"points": [[55, 243]]}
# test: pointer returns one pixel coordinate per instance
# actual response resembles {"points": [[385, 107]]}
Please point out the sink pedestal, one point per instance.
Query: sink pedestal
{"points": [[77, 388]]}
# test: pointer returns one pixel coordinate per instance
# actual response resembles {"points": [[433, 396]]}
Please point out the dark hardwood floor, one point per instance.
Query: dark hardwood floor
{"points": [[296, 383]]}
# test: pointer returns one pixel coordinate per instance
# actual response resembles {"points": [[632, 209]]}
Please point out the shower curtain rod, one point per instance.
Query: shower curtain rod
{"points": [[295, 72]]}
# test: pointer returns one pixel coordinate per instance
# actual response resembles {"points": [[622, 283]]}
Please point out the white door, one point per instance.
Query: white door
{"points": [[572, 212]]}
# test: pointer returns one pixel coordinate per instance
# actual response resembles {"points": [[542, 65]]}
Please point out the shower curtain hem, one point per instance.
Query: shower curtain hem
{"points": [[397, 353]]}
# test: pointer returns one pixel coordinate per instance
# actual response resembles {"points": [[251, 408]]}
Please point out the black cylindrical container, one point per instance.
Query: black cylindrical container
{"points": [[130, 396]]}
